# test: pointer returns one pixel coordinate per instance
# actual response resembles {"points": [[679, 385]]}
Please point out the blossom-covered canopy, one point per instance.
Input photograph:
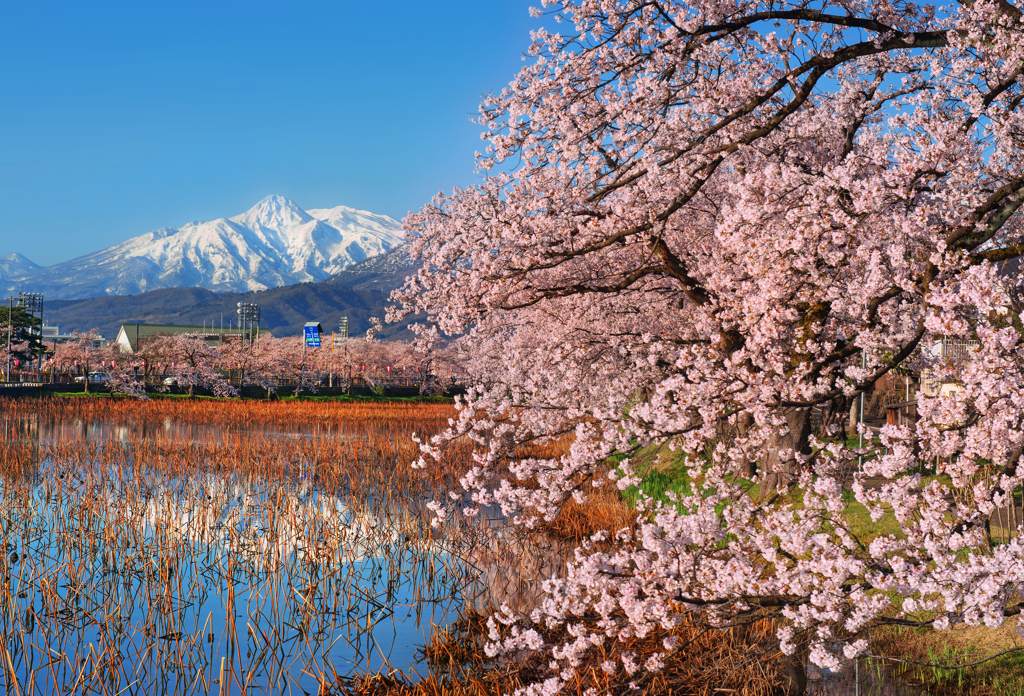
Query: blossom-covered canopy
{"points": [[708, 218]]}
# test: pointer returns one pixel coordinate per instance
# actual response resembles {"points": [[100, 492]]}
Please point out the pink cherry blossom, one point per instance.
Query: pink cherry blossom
{"points": [[696, 223]]}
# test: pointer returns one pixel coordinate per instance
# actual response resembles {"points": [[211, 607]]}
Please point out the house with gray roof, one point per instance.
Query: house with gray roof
{"points": [[131, 336]]}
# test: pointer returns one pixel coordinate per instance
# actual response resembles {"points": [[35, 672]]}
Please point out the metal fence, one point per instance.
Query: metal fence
{"points": [[951, 351]]}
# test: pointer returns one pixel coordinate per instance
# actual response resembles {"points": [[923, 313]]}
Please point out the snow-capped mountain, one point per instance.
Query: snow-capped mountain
{"points": [[15, 266], [274, 243]]}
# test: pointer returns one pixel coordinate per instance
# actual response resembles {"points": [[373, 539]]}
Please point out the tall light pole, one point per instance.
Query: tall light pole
{"points": [[249, 314], [33, 303], [10, 326], [337, 339]]}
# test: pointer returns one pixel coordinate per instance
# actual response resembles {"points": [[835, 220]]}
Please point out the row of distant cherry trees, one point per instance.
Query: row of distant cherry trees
{"points": [[189, 361]]}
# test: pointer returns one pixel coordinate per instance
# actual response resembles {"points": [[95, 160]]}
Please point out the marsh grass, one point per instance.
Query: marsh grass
{"points": [[200, 546], [945, 650], [138, 559], [710, 661]]}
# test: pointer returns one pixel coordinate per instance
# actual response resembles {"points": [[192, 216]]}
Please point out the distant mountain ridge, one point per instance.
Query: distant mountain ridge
{"points": [[273, 244], [15, 265], [358, 292]]}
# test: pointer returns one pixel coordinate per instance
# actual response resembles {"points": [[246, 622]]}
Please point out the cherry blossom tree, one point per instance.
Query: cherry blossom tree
{"points": [[80, 355], [710, 218], [239, 358], [123, 374], [194, 363], [264, 364], [379, 362]]}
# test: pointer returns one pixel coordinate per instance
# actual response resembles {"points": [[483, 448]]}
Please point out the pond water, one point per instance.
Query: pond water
{"points": [[132, 562], [167, 429], [139, 557], [868, 677]]}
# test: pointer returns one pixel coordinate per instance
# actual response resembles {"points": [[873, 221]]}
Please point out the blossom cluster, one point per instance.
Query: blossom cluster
{"points": [[701, 221]]}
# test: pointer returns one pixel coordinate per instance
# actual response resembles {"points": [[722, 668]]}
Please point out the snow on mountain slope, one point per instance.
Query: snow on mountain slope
{"points": [[382, 273], [274, 243], [361, 231], [15, 266]]}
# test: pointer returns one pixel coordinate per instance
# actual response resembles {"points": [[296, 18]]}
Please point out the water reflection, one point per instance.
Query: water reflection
{"points": [[121, 576], [165, 429], [868, 677]]}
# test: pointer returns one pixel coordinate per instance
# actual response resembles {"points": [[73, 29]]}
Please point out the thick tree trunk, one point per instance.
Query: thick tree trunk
{"points": [[747, 468], [779, 463], [794, 675], [834, 413]]}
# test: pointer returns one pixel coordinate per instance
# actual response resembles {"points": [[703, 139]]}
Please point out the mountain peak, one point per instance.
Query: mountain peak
{"points": [[16, 257], [273, 243], [14, 265], [273, 212]]}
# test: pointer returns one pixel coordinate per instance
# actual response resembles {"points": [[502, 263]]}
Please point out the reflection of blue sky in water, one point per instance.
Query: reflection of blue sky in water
{"points": [[165, 429], [121, 576]]}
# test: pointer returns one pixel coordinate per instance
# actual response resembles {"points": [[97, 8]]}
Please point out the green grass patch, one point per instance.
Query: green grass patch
{"points": [[1000, 676]]}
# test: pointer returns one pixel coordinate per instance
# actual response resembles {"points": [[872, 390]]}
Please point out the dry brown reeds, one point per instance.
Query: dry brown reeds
{"points": [[139, 559], [239, 414], [709, 661], [218, 547], [604, 510]]}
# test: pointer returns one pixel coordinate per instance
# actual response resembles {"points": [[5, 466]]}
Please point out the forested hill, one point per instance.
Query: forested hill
{"points": [[359, 293]]}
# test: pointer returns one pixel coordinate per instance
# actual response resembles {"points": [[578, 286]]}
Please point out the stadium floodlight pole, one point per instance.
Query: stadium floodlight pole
{"points": [[10, 324], [248, 315], [33, 303]]}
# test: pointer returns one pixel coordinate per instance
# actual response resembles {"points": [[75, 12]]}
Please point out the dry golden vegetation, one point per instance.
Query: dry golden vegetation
{"points": [[140, 559], [238, 414], [712, 661], [933, 659], [203, 547]]}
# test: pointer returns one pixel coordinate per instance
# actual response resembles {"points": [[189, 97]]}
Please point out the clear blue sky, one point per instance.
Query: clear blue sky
{"points": [[120, 118]]}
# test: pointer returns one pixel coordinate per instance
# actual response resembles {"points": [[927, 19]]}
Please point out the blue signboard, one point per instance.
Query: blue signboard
{"points": [[312, 337]]}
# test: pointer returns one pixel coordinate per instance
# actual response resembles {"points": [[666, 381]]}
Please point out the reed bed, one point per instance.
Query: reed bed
{"points": [[191, 547], [143, 560], [712, 661], [227, 416]]}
